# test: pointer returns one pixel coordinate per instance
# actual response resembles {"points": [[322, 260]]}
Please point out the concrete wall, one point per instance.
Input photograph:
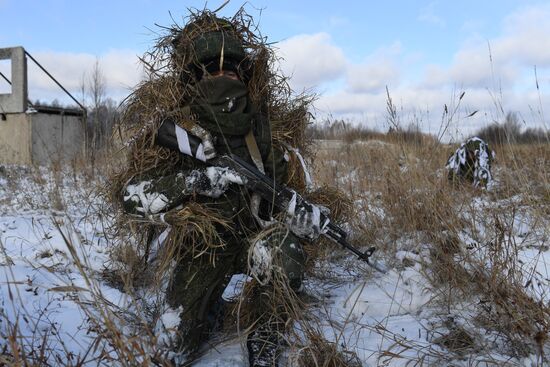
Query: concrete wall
{"points": [[15, 139], [51, 134], [56, 137], [40, 138]]}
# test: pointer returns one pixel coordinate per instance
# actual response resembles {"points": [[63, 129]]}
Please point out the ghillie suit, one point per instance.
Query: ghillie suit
{"points": [[212, 227], [471, 162]]}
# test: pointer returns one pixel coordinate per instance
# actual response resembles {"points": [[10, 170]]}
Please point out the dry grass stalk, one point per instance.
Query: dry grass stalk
{"points": [[319, 352]]}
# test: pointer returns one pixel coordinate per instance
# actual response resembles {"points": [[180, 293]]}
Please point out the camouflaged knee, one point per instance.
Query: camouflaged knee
{"points": [[276, 254]]}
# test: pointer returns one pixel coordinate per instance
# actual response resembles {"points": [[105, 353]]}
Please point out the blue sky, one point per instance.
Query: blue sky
{"points": [[348, 52]]}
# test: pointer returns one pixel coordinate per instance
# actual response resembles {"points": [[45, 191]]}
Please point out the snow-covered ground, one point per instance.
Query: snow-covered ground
{"points": [[55, 302], [50, 259]]}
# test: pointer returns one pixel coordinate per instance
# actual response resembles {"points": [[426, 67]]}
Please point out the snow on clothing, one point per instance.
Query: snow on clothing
{"points": [[198, 283], [471, 162]]}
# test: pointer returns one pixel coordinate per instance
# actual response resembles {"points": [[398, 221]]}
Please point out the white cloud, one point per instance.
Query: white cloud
{"points": [[378, 71], [478, 67], [491, 71], [123, 68], [119, 67], [425, 106], [406, 98], [372, 77], [344, 102], [499, 62], [435, 76], [526, 37], [311, 59]]}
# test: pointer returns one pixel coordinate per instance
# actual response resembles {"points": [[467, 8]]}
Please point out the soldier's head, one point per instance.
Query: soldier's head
{"points": [[211, 47]]}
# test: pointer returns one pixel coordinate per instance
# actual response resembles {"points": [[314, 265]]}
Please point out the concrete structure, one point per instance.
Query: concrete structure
{"points": [[17, 100], [36, 135]]}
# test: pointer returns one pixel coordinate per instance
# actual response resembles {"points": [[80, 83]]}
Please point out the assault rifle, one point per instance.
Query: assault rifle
{"points": [[173, 137]]}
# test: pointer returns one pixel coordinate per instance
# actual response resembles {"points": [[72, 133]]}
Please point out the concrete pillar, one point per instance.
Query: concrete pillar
{"points": [[16, 101]]}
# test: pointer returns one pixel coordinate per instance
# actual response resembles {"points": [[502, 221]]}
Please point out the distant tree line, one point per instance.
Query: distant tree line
{"points": [[342, 130], [510, 132]]}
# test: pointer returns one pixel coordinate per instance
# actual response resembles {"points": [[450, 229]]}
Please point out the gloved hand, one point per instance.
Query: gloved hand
{"points": [[304, 219], [211, 181]]}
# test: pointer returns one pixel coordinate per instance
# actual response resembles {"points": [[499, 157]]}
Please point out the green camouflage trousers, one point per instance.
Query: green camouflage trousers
{"points": [[198, 283]]}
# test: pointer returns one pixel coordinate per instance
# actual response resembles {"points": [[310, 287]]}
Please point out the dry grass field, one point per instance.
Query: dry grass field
{"points": [[467, 282], [483, 252]]}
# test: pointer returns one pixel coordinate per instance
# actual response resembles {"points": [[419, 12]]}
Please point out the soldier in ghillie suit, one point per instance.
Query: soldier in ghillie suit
{"points": [[471, 162], [214, 99]]}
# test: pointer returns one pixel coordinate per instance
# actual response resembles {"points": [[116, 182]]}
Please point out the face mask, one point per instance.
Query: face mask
{"points": [[223, 94], [222, 106]]}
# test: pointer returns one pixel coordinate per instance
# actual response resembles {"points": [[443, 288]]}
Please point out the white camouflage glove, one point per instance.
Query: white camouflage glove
{"points": [[212, 181], [304, 220]]}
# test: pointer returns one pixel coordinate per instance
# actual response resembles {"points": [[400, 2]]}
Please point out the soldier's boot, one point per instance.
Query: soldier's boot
{"points": [[264, 347]]}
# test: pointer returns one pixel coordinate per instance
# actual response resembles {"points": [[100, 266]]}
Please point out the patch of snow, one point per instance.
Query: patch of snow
{"points": [[260, 258], [220, 178], [150, 202]]}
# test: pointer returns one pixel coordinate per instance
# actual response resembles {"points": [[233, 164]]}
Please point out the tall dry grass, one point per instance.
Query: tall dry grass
{"points": [[401, 191]]}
